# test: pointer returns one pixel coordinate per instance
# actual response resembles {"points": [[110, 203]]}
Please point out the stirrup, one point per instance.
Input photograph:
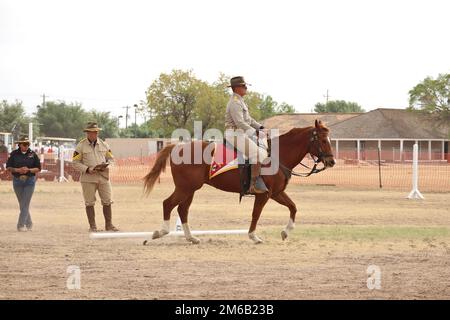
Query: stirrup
{"points": [[258, 187], [254, 190]]}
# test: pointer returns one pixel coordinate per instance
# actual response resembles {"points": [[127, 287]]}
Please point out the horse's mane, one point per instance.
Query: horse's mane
{"points": [[297, 131], [294, 132]]}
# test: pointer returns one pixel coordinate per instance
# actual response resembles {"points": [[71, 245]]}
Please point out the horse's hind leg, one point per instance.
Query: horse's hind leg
{"points": [[171, 202], [183, 211]]}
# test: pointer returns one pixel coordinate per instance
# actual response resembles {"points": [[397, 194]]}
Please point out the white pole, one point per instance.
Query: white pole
{"points": [[61, 165], [30, 135], [148, 235], [429, 150], [174, 233], [401, 150], [337, 149], [358, 147], [415, 193]]}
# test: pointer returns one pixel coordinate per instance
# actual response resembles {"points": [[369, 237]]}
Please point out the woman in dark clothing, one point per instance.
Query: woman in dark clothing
{"points": [[24, 163]]}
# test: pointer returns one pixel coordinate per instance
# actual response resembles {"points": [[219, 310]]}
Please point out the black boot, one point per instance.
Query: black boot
{"points": [[107, 212], [90, 212]]}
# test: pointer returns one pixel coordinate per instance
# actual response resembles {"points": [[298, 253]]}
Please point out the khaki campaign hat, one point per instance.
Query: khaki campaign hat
{"points": [[23, 139], [238, 81], [92, 126]]}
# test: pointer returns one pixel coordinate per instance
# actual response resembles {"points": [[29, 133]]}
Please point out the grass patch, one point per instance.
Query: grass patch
{"points": [[344, 232]]}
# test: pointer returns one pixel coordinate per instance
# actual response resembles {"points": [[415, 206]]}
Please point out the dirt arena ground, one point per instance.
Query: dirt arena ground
{"points": [[339, 234]]}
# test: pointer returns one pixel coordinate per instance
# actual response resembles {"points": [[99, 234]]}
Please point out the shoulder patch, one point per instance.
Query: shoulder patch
{"points": [[76, 156]]}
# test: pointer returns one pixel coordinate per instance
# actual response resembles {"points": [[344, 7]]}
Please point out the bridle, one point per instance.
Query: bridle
{"points": [[313, 141]]}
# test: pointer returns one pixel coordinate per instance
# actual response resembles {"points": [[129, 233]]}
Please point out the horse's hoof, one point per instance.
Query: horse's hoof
{"points": [[156, 235], [255, 238], [284, 235], [258, 241], [194, 240], [145, 242], [159, 234]]}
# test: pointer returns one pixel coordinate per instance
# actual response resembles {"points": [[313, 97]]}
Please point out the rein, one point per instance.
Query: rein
{"points": [[314, 139], [304, 175]]}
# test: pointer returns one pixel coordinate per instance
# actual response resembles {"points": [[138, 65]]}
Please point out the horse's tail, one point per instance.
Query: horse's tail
{"points": [[158, 167]]}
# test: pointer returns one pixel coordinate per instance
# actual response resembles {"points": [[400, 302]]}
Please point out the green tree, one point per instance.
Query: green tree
{"points": [[432, 96], [254, 101], [285, 108], [172, 99], [59, 119], [14, 120], [338, 106], [211, 104], [177, 99], [109, 124], [267, 108], [144, 130]]}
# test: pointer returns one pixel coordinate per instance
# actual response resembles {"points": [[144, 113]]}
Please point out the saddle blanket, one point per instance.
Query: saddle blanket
{"points": [[224, 159]]}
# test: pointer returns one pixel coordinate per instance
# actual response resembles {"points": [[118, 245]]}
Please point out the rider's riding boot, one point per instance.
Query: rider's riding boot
{"points": [[256, 187], [108, 219], [90, 212]]}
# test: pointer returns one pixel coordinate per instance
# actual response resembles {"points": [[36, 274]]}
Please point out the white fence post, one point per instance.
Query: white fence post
{"points": [[415, 193], [61, 165], [30, 135]]}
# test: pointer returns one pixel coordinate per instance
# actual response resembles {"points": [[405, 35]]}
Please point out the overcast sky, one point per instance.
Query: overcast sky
{"points": [[105, 54]]}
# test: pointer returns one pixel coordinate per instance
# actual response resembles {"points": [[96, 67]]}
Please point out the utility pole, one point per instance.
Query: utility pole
{"points": [[126, 116], [43, 100], [327, 96], [135, 123]]}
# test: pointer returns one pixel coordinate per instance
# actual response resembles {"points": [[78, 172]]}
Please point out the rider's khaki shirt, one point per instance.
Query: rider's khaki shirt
{"points": [[238, 117]]}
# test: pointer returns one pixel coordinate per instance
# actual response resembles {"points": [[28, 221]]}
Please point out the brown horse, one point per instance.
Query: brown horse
{"points": [[188, 178]]}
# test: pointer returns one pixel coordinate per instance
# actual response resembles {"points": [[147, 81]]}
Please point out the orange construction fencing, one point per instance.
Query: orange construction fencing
{"points": [[434, 175]]}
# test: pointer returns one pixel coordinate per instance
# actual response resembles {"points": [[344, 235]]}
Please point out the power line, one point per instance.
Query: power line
{"points": [[65, 98]]}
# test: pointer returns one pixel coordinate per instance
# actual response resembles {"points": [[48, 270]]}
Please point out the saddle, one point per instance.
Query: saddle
{"points": [[225, 158]]}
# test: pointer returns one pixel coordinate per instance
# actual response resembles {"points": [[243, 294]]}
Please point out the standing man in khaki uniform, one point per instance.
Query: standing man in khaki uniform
{"points": [[240, 127], [92, 157]]}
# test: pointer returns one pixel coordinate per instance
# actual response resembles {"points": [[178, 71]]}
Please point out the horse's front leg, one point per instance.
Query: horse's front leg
{"points": [[283, 199], [260, 202]]}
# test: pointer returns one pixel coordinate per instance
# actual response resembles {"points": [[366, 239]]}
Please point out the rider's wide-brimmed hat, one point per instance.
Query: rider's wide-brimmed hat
{"points": [[238, 81], [23, 139], [92, 127]]}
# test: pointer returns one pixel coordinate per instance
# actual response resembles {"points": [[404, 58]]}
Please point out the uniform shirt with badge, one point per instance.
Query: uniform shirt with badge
{"points": [[90, 154], [19, 159]]}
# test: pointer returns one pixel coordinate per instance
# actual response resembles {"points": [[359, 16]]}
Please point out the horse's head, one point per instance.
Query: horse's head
{"points": [[320, 145]]}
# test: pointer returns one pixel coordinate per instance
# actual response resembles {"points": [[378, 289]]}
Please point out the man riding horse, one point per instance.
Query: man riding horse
{"points": [[241, 129], [188, 177]]}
